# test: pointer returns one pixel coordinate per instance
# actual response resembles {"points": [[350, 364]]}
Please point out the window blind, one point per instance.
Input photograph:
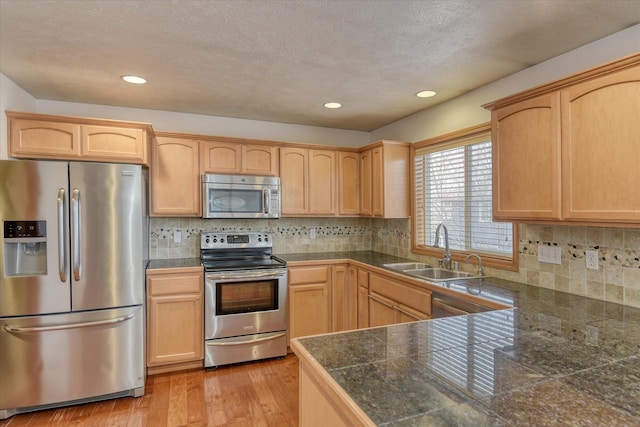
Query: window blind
{"points": [[453, 186]]}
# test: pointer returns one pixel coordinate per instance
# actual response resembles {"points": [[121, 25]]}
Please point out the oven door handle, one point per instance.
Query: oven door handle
{"points": [[251, 341], [248, 275]]}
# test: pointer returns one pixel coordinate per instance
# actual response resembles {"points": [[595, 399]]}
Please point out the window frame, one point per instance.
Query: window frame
{"points": [[445, 141]]}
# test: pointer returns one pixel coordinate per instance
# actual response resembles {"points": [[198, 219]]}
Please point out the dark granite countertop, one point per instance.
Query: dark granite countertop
{"points": [[173, 263], [554, 359]]}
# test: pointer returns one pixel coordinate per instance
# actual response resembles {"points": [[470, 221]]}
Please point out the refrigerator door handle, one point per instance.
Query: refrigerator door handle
{"points": [[15, 329], [62, 254], [75, 223]]}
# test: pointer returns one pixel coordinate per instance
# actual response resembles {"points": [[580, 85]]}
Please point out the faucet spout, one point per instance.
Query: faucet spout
{"points": [[446, 256], [480, 270]]}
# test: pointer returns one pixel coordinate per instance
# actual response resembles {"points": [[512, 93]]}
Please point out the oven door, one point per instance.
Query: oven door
{"points": [[245, 302]]}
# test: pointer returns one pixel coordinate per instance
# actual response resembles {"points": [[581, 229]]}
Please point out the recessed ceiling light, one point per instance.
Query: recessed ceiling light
{"points": [[426, 94], [333, 105], [134, 79]]}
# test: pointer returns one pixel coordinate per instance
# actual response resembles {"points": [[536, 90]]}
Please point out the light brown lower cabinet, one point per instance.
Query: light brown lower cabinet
{"points": [[391, 301], [309, 301], [175, 337]]}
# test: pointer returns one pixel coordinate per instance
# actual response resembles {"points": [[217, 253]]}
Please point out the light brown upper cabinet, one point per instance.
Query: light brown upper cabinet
{"points": [[348, 183], [526, 159], [384, 180], [175, 177], [37, 136], [308, 180], [601, 148], [238, 158], [568, 151]]}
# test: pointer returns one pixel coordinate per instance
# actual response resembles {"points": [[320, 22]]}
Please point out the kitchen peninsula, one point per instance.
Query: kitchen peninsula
{"points": [[553, 359]]}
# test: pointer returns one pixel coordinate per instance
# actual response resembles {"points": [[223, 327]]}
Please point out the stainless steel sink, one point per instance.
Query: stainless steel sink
{"points": [[403, 266], [439, 274]]}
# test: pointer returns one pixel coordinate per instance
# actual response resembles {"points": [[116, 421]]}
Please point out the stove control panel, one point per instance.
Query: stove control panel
{"points": [[239, 240]]}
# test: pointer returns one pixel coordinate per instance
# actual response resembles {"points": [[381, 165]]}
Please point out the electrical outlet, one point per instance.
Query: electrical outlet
{"points": [[177, 237], [592, 259], [312, 233], [549, 254]]}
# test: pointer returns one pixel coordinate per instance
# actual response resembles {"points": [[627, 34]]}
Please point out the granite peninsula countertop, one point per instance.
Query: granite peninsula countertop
{"points": [[553, 359]]}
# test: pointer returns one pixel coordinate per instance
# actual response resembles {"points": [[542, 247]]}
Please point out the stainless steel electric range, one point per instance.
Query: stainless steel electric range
{"points": [[245, 298]]}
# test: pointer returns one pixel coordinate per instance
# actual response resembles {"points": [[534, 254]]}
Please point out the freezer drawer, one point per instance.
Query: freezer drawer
{"points": [[48, 360]]}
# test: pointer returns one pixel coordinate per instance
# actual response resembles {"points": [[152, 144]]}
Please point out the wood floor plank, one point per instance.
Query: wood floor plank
{"points": [[256, 394]]}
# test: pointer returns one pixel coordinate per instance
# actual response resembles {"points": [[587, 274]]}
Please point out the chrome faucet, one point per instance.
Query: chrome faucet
{"points": [[480, 270], [446, 256]]}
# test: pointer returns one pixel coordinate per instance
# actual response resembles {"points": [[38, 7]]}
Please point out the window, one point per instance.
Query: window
{"points": [[452, 186]]}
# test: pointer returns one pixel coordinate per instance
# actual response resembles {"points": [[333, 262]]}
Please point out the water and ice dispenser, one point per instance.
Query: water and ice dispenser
{"points": [[25, 248]]}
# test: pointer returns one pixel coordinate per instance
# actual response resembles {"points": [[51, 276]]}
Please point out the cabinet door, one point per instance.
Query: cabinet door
{"points": [[526, 159], [348, 183], [220, 157], [381, 311], [309, 301], [42, 139], [294, 168], [365, 183], [309, 310], [344, 295], [107, 143], [322, 182], [174, 318], [600, 148], [260, 160], [377, 182], [175, 179], [175, 329]]}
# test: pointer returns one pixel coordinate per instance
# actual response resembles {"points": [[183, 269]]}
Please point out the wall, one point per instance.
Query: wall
{"points": [[617, 280], [12, 97], [211, 125], [466, 110]]}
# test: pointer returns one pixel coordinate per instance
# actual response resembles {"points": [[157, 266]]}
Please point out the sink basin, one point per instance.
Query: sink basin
{"points": [[403, 266], [440, 274]]}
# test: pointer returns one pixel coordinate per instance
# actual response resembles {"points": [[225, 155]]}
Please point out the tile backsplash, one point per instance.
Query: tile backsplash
{"points": [[291, 235], [616, 280]]}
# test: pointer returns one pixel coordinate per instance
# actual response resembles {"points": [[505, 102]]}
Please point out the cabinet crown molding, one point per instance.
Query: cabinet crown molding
{"points": [[591, 73]]}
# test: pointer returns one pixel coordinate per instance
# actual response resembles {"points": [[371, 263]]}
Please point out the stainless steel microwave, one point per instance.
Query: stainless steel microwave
{"points": [[240, 196]]}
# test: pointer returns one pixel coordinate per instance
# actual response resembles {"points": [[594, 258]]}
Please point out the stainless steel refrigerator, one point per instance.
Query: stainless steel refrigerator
{"points": [[73, 251]]}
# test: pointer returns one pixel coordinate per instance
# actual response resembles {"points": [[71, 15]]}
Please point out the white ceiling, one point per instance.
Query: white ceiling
{"points": [[282, 60]]}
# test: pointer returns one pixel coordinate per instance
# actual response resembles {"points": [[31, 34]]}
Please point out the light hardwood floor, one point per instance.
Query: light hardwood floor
{"points": [[263, 393]]}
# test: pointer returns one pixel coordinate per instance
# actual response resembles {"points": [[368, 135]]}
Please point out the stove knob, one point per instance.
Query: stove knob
{"points": [[259, 239], [221, 240], [215, 240], [266, 239], [208, 241]]}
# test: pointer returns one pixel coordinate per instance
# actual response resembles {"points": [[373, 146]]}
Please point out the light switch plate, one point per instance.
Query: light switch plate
{"points": [[549, 254]]}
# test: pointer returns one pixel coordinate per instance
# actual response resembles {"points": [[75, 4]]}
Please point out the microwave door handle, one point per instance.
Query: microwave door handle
{"points": [[62, 254], [267, 201], [75, 223]]}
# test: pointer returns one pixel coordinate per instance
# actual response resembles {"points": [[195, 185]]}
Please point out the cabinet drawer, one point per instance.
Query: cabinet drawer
{"points": [[413, 298], [174, 283], [303, 275]]}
